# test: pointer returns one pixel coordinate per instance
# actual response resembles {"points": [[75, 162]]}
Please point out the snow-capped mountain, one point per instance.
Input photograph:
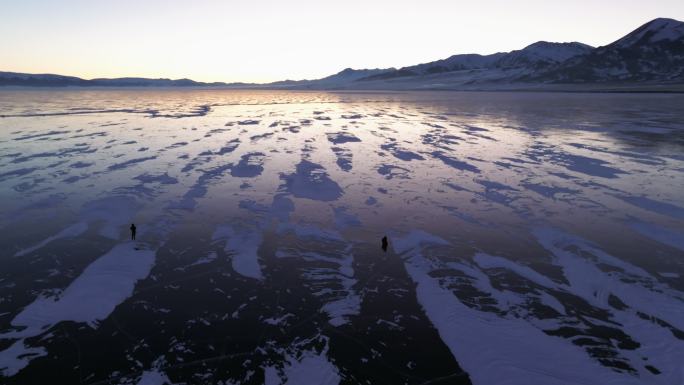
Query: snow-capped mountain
{"points": [[652, 52], [655, 31], [541, 54]]}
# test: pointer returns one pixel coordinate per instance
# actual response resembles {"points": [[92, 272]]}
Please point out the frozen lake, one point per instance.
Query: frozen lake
{"points": [[534, 238]]}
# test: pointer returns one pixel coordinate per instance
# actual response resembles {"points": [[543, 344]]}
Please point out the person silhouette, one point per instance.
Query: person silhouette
{"points": [[384, 243], [133, 228]]}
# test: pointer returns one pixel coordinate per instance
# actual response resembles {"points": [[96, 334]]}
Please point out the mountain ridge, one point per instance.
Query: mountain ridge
{"points": [[54, 80], [652, 53]]}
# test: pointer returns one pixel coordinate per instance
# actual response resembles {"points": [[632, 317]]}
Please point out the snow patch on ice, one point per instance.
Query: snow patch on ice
{"points": [[17, 357], [595, 286], [244, 242], [91, 297], [308, 368], [415, 239], [486, 261], [311, 368], [153, 377], [653, 309]]}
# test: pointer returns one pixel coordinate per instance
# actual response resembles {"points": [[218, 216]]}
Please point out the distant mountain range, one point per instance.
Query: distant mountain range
{"points": [[653, 54], [50, 80]]}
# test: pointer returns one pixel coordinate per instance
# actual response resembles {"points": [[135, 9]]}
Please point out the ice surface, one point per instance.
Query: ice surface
{"points": [[645, 296], [111, 212], [533, 238], [344, 158], [69, 232], [661, 234], [250, 165], [312, 181], [595, 286], [128, 163], [90, 298], [342, 137], [344, 219], [655, 206], [400, 153], [497, 350], [455, 163]]}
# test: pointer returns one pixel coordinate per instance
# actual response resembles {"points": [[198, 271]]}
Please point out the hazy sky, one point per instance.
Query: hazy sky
{"points": [[266, 40]]}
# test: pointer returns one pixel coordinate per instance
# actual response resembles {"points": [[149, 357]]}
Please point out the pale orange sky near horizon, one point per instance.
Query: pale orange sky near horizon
{"points": [[267, 40]]}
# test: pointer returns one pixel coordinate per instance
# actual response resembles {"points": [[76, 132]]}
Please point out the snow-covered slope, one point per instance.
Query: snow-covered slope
{"points": [[543, 53], [655, 31], [340, 79], [455, 63], [538, 55]]}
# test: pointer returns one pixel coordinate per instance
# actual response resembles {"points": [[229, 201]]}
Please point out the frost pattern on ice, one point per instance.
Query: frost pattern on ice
{"points": [[330, 277]]}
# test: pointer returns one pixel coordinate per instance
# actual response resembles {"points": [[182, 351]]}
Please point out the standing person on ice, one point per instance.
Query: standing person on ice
{"points": [[133, 231]]}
